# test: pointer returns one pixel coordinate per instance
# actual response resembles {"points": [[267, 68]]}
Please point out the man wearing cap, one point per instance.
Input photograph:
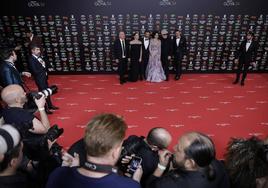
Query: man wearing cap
{"points": [[179, 50], [166, 51], [246, 56]]}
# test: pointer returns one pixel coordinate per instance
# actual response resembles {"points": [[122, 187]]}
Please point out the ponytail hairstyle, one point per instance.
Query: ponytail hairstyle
{"points": [[202, 151]]}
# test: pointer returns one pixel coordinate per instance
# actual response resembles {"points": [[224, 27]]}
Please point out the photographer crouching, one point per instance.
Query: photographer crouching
{"points": [[37, 135], [146, 152]]}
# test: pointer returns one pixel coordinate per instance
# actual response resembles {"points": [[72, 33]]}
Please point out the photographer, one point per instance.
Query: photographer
{"points": [[15, 97], [147, 149], [10, 159], [38, 137], [194, 165], [103, 141]]}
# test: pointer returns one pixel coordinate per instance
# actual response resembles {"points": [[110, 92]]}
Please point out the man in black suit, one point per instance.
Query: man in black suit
{"points": [[121, 50], [8, 72], [246, 55], [179, 50], [38, 68], [145, 54], [166, 51]]}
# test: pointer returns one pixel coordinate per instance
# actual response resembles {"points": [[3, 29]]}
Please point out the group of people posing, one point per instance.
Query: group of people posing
{"points": [[149, 57]]}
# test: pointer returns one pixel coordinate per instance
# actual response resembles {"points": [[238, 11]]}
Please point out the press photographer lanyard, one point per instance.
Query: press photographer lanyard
{"points": [[99, 168]]}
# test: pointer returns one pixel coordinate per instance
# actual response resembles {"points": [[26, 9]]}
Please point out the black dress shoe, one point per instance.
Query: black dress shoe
{"points": [[121, 82], [53, 107], [177, 77], [242, 83], [236, 81]]}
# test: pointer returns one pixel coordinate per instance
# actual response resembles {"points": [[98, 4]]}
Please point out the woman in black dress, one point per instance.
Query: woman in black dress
{"points": [[135, 47]]}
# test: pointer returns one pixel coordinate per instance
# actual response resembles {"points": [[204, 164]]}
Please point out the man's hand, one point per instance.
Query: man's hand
{"points": [[117, 60], [236, 61], [27, 74], [169, 57], [40, 103], [254, 64], [138, 174], [126, 159], [69, 160], [164, 156]]}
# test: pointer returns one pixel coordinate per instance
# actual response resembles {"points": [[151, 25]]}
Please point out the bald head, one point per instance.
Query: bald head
{"points": [[159, 137], [13, 94]]}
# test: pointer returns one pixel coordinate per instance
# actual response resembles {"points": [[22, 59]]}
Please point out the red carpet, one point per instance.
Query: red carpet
{"points": [[198, 102]]}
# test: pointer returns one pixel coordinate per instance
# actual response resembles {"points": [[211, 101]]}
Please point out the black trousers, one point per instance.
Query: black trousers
{"points": [[177, 65], [165, 65], [242, 68], [43, 86], [122, 69]]}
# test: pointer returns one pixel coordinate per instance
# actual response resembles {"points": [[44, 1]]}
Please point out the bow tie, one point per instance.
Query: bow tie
{"points": [[146, 39], [249, 41]]}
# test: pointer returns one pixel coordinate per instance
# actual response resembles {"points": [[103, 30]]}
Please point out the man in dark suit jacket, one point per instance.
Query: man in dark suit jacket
{"points": [[145, 54], [245, 56], [179, 50], [166, 51], [8, 72], [38, 68], [121, 50]]}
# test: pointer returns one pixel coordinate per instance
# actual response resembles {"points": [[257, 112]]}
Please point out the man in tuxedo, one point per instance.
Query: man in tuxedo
{"points": [[121, 50], [246, 55], [145, 54], [8, 72], [179, 50], [166, 51], [38, 68]]}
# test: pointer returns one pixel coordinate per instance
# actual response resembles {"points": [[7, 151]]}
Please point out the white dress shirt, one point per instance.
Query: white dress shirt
{"points": [[178, 41], [123, 46], [248, 45], [146, 43]]}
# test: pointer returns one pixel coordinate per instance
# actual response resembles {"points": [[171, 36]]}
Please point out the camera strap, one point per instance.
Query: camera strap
{"points": [[99, 168]]}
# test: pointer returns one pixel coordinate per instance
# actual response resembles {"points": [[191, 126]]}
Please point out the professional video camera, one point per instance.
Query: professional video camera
{"points": [[46, 92]]}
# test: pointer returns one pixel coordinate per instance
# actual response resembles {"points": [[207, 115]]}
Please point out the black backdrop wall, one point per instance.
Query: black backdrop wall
{"points": [[78, 35]]}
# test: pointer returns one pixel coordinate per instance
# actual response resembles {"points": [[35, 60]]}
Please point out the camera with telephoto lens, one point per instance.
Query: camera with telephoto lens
{"points": [[36, 145], [53, 133], [46, 92]]}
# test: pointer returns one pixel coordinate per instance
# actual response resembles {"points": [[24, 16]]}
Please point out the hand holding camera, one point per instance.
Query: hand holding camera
{"points": [[164, 157], [40, 103]]}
